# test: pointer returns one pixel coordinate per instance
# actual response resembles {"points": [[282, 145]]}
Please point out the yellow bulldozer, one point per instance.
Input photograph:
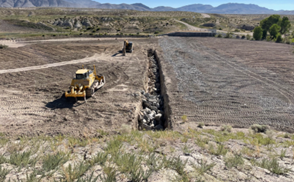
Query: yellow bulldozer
{"points": [[85, 83], [128, 47]]}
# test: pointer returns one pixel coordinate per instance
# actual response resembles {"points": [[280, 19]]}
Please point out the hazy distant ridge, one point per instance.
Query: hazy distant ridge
{"points": [[229, 8]]}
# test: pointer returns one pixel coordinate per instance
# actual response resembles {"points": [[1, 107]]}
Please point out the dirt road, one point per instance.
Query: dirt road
{"points": [[192, 28], [237, 82], [204, 15]]}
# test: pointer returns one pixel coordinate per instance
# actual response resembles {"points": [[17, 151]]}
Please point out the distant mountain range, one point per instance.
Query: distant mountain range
{"points": [[229, 8]]}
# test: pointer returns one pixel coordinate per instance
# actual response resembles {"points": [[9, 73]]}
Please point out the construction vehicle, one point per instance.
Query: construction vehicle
{"points": [[85, 83], [128, 47]]}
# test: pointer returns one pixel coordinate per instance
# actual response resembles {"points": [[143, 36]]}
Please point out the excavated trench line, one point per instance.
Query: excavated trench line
{"points": [[153, 114]]}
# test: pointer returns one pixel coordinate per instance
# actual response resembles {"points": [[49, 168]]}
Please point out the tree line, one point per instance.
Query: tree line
{"points": [[275, 26]]}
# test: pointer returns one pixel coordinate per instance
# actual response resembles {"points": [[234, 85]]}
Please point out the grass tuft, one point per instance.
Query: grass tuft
{"points": [[273, 166], [50, 162], [204, 166], [22, 159], [235, 161], [72, 173], [3, 173]]}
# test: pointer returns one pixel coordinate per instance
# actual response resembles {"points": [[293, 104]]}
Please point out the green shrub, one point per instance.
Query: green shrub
{"points": [[234, 161], [200, 125], [33, 176], [156, 32], [264, 34], [237, 30], [2, 46], [22, 159], [113, 146], [259, 128], [72, 173], [273, 166], [219, 36], [257, 33], [154, 162], [50, 162], [279, 38], [268, 38], [99, 159], [226, 128], [176, 164], [228, 35], [110, 175], [203, 167], [3, 173], [221, 150], [248, 37], [274, 30]]}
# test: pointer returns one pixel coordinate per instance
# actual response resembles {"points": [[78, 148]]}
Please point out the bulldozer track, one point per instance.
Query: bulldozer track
{"points": [[270, 83]]}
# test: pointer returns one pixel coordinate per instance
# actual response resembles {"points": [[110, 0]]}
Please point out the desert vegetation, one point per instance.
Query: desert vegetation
{"points": [[193, 154], [91, 22]]}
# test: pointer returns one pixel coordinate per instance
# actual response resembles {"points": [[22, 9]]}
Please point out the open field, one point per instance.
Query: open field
{"points": [[222, 81], [210, 80]]}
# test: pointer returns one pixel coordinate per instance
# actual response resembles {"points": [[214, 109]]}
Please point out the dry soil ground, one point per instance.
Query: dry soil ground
{"points": [[210, 80], [231, 81], [31, 100]]}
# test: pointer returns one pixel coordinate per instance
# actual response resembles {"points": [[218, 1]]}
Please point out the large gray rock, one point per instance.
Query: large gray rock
{"points": [[147, 104], [147, 110], [158, 117]]}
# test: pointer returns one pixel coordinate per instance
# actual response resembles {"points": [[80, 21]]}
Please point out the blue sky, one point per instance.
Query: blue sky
{"points": [[271, 4]]}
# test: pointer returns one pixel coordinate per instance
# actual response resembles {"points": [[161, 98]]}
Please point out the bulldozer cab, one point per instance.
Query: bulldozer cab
{"points": [[82, 74], [129, 45]]}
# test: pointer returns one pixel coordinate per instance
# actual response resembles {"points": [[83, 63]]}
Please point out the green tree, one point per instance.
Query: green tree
{"points": [[264, 34], [279, 38], [268, 22], [285, 25], [274, 30], [257, 33]]}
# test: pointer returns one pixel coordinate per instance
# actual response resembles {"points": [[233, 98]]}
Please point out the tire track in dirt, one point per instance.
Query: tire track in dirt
{"points": [[270, 83], [87, 59], [219, 93]]}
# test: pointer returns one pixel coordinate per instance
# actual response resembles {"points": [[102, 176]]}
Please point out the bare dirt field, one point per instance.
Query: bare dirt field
{"points": [[210, 80], [37, 75], [231, 81]]}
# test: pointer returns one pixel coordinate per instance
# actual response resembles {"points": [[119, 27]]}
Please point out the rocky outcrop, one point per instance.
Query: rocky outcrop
{"points": [[151, 116]]}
